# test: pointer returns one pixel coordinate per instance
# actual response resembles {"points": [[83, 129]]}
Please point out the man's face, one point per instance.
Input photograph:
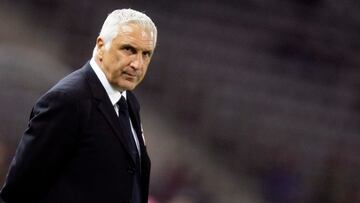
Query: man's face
{"points": [[126, 61]]}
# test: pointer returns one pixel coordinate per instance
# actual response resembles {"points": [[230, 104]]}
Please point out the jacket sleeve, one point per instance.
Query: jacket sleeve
{"points": [[44, 149]]}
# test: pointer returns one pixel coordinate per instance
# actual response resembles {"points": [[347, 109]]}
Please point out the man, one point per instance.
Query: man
{"points": [[84, 141]]}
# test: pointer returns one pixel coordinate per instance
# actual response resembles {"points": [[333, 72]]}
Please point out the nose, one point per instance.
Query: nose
{"points": [[137, 61]]}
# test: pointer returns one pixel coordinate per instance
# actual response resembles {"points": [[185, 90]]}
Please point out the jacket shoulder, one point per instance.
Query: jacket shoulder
{"points": [[74, 85]]}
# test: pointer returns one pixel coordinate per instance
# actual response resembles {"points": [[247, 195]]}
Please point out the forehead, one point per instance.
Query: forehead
{"points": [[135, 35]]}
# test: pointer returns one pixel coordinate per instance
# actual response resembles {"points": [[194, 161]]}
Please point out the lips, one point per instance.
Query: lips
{"points": [[130, 75]]}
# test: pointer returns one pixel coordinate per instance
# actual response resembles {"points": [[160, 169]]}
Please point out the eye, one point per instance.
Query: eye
{"points": [[147, 53], [129, 49]]}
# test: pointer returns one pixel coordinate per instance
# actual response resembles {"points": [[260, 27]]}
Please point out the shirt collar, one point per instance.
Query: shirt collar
{"points": [[112, 92]]}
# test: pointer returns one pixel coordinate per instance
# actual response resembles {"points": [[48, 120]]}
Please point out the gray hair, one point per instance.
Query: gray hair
{"points": [[120, 17]]}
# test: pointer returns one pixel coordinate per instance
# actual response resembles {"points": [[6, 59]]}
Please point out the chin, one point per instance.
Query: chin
{"points": [[130, 88], [127, 87]]}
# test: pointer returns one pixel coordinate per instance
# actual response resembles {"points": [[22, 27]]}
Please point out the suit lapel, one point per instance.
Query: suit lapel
{"points": [[133, 111], [105, 107], [134, 114], [111, 117]]}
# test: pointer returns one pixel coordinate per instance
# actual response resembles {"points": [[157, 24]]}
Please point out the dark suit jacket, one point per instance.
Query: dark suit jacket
{"points": [[73, 150]]}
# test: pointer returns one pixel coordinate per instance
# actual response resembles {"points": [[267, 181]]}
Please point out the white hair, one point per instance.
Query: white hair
{"points": [[117, 18]]}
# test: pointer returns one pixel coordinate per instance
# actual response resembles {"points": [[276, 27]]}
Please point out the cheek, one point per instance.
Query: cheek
{"points": [[117, 64], [143, 73], [114, 56], [121, 62], [145, 69]]}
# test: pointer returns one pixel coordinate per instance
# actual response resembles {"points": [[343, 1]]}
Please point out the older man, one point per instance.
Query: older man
{"points": [[84, 141]]}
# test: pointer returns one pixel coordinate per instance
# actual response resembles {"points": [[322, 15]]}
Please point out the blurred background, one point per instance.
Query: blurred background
{"points": [[247, 101]]}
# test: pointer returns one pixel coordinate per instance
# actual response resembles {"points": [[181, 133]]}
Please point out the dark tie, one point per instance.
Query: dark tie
{"points": [[124, 119]]}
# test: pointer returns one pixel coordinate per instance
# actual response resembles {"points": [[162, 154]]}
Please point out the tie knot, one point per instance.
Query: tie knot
{"points": [[123, 106]]}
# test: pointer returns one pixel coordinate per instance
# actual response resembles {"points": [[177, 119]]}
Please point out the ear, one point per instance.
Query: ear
{"points": [[100, 48]]}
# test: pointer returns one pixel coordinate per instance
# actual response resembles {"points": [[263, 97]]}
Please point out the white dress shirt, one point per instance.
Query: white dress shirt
{"points": [[113, 94]]}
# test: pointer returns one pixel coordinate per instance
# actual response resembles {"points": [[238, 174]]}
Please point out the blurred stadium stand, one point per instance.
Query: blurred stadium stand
{"points": [[262, 94]]}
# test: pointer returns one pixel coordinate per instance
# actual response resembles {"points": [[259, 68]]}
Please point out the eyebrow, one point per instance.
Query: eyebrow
{"points": [[136, 48]]}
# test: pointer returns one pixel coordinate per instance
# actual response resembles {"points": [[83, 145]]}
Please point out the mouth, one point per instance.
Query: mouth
{"points": [[130, 75]]}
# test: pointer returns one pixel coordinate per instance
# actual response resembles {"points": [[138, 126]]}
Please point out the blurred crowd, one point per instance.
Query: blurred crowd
{"points": [[266, 91]]}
